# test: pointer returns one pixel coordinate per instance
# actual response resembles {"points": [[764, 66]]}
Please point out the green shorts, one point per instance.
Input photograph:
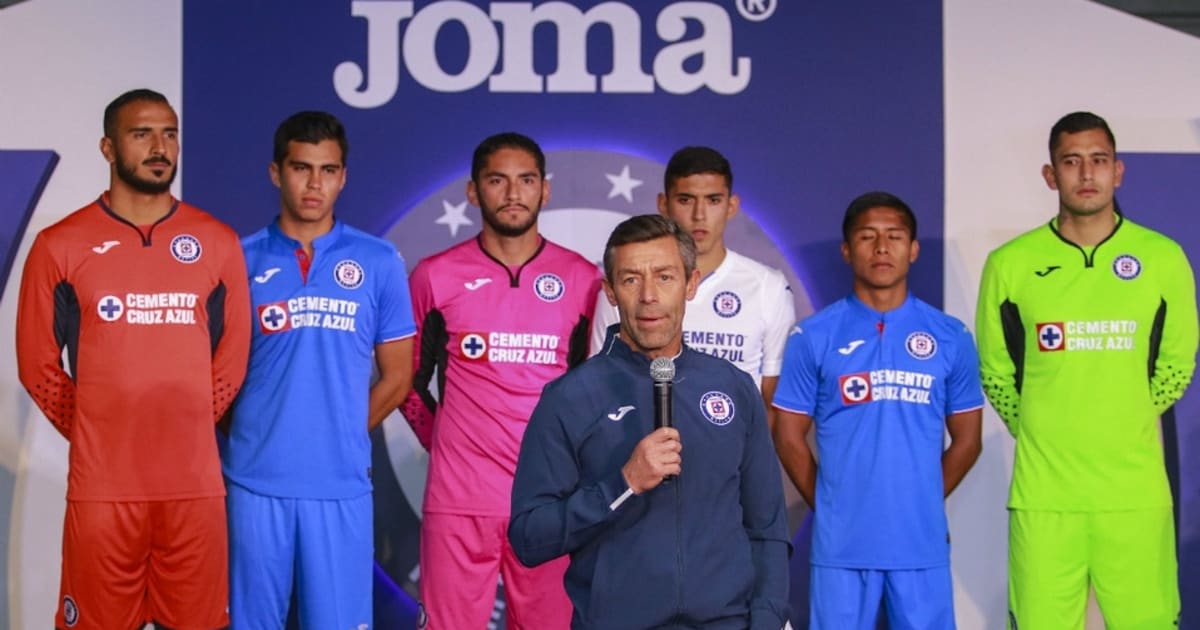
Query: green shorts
{"points": [[1128, 557]]}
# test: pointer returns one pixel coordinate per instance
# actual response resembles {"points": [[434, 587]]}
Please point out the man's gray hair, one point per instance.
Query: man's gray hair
{"points": [[648, 227]]}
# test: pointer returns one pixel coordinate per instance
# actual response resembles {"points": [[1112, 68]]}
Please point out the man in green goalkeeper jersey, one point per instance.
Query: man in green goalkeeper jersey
{"points": [[1087, 332]]}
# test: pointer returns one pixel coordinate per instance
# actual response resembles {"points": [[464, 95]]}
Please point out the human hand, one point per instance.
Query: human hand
{"points": [[653, 459]]}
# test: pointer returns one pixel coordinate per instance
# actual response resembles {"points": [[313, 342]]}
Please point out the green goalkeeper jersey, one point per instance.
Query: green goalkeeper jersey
{"points": [[1081, 349]]}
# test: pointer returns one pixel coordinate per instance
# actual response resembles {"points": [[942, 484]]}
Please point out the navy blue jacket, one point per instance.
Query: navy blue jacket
{"points": [[708, 549]]}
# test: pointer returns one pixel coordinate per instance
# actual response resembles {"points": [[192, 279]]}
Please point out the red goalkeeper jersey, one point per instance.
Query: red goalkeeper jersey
{"points": [[155, 324]]}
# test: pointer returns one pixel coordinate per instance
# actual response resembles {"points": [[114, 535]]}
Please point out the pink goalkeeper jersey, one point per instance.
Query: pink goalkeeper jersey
{"points": [[493, 336]]}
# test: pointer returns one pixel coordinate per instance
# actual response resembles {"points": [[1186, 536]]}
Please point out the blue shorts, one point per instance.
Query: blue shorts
{"points": [[848, 599], [325, 548]]}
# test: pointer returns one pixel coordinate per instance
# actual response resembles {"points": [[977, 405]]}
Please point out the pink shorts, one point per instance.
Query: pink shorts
{"points": [[461, 557]]}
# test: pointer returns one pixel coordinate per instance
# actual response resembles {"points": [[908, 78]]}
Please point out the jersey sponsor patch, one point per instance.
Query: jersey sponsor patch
{"points": [[1097, 335], [717, 408], [150, 308], [185, 248], [855, 388], [723, 345], [70, 611], [549, 287], [1050, 337], [348, 274], [920, 345], [904, 386], [1127, 266], [273, 318], [308, 311], [509, 347], [727, 304], [110, 308]]}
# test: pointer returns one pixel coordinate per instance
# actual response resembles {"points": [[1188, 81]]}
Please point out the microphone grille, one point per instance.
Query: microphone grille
{"points": [[662, 370]]}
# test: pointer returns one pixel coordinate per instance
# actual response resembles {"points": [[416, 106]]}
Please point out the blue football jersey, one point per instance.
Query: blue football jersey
{"points": [[300, 422], [879, 387]]}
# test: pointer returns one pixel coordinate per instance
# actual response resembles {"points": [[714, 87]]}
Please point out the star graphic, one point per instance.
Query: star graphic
{"points": [[623, 184], [454, 217]]}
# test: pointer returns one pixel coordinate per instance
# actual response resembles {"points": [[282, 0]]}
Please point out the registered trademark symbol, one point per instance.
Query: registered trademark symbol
{"points": [[756, 10]]}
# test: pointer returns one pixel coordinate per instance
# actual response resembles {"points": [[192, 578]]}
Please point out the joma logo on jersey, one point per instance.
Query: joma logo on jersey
{"points": [[500, 50]]}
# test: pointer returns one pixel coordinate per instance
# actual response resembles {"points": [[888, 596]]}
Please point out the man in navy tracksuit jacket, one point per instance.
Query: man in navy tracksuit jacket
{"points": [[707, 547]]}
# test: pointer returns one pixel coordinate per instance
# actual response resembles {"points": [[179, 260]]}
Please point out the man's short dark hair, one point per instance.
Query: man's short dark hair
{"points": [[132, 96], [1077, 122], [648, 227], [311, 127], [690, 161], [506, 140], [877, 199]]}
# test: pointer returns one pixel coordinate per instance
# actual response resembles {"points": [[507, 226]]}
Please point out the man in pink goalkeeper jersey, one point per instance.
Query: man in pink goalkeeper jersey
{"points": [[498, 317]]}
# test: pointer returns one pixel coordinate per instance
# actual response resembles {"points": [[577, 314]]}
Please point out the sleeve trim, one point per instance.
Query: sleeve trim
{"points": [[400, 337], [621, 499], [806, 412]]}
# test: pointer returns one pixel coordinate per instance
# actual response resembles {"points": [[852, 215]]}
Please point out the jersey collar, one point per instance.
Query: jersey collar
{"points": [[862, 310], [615, 346], [324, 241]]}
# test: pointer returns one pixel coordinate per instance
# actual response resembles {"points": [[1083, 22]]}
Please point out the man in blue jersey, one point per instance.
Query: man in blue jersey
{"points": [[882, 375], [667, 527], [326, 299]]}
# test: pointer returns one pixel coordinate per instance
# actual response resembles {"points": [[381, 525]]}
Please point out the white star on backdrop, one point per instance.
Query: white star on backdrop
{"points": [[623, 184], [455, 216]]}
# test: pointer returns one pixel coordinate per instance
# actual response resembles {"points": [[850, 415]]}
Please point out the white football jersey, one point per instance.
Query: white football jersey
{"points": [[742, 312]]}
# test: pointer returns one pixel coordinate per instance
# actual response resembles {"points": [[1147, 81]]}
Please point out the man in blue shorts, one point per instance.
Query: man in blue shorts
{"points": [[882, 376], [330, 303]]}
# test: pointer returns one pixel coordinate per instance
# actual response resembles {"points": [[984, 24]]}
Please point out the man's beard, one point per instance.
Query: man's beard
{"points": [[511, 230], [129, 175]]}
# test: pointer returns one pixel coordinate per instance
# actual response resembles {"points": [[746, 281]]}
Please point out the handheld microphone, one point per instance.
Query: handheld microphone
{"points": [[662, 370]]}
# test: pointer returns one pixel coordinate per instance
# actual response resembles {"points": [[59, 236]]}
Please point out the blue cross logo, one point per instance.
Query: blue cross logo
{"points": [[110, 308], [273, 317], [855, 388], [1050, 336], [472, 346]]}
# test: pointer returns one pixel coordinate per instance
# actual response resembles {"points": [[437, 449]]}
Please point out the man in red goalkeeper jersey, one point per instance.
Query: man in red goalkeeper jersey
{"points": [[148, 297]]}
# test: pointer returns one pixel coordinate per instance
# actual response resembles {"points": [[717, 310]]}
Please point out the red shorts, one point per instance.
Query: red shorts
{"points": [[126, 564]]}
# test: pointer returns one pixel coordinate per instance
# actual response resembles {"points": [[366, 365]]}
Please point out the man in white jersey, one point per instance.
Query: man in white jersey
{"points": [[743, 310]]}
